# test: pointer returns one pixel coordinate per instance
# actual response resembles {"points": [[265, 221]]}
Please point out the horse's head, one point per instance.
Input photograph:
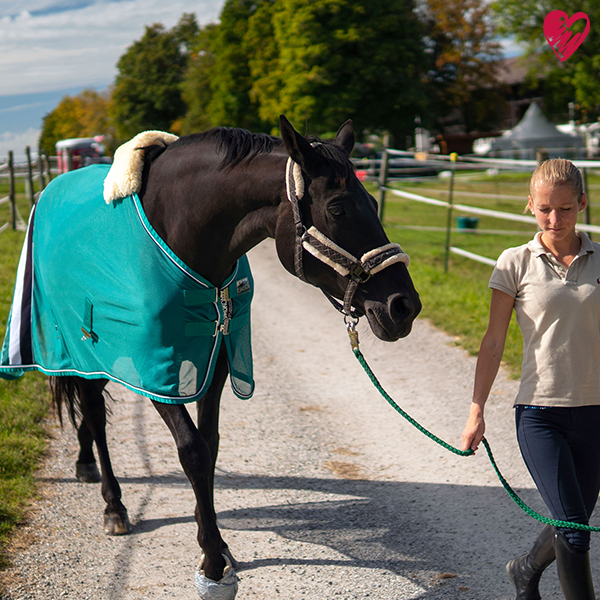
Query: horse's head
{"points": [[329, 234]]}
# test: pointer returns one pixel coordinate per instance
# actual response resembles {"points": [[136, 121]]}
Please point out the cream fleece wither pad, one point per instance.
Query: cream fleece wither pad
{"points": [[125, 175]]}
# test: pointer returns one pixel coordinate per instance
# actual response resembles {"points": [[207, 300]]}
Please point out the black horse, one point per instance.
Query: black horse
{"points": [[212, 197]]}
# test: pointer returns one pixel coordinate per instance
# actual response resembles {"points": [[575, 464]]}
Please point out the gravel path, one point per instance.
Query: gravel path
{"points": [[322, 490]]}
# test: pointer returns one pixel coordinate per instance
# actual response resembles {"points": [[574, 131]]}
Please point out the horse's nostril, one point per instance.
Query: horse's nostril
{"points": [[401, 307]]}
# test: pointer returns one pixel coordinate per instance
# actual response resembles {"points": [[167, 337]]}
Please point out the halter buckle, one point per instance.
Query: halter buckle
{"points": [[359, 273]]}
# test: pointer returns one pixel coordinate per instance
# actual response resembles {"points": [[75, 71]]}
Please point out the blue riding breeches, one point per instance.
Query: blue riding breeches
{"points": [[561, 448]]}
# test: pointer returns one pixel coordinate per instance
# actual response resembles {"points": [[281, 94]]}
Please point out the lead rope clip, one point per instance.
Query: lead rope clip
{"points": [[352, 333]]}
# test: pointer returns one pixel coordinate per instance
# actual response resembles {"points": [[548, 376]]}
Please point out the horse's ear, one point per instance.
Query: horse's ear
{"points": [[298, 147], [345, 137]]}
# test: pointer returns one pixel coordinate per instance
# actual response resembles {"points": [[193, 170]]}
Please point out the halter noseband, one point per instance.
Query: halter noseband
{"points": [[356, 270]]}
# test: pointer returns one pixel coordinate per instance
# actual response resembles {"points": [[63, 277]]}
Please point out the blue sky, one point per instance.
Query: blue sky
{"points": [[50, 48]]}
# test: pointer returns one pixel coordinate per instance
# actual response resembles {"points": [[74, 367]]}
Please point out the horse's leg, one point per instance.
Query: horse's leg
{"points": [[196, 460], [208, 425], [197, 450], [93, 411], [86, 469]]}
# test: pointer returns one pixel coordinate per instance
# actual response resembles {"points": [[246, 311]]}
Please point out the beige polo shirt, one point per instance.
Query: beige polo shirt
{"points": [[558, 311]]}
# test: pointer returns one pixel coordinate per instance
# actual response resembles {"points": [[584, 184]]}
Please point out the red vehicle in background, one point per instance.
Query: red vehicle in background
{"points": [[75, 153]]}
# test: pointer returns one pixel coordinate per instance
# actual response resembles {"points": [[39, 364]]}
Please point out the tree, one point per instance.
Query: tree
{"points": [[216, 86], [147, 92], [196, 89], [576, 79], [324, 61], [83, 115], [464, 52], [230, 77]]}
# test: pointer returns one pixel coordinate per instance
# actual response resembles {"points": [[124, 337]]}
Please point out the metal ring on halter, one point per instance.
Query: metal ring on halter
{"points": [[352, 323]]}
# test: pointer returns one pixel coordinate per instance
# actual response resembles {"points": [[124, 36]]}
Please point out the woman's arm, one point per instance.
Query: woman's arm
{"points": [[488, 363]]}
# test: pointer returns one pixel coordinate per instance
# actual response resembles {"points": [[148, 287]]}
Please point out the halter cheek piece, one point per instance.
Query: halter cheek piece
{"points": [[328, 252]]}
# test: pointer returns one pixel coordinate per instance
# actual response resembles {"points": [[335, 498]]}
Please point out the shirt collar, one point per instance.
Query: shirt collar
{"points": [[536, 246], [586, 244]]}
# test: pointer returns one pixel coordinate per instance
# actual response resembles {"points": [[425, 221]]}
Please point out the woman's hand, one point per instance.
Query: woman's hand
{"points": [[474, 429]]}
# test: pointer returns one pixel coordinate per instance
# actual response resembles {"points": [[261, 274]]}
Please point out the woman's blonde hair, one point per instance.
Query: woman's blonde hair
{"points": [[556, 172]]}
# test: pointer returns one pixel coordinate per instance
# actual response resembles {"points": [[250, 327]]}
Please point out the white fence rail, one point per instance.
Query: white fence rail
{"points": [[452, 164], [485, 212]]}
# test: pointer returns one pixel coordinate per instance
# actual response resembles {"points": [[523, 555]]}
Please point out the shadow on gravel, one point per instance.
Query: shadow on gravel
{"points": [[149, 525], [410, 529], [171, 480]]}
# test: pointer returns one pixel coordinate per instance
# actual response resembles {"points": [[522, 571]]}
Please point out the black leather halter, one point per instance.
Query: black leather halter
{"points": [[312, 240]]}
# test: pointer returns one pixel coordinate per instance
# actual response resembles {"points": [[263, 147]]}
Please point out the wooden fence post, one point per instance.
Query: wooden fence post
{"points": [[383, 173], [11, 190], [453, 157], [47, 161], [40, 161], [29, 176]]}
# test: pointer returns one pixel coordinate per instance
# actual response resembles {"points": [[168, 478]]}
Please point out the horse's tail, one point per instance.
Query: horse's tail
{"points": [[65, 392]]}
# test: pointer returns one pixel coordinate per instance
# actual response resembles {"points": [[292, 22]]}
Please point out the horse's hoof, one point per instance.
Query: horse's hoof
{"points": [[117, 523], [87, 472], [224, 589]]}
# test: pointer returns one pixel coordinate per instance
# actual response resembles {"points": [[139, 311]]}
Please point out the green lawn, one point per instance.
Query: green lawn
{"points": [[23, 404]]}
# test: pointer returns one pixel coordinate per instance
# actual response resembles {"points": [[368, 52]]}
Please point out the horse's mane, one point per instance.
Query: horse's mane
{"points": [[236, 145], [240, 145]]}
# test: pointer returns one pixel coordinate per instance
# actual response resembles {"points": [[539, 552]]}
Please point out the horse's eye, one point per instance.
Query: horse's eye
{"points": [[336, 210]]}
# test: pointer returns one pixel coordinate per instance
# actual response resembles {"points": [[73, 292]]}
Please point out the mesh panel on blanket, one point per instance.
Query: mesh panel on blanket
{"points": [[239, 351]]}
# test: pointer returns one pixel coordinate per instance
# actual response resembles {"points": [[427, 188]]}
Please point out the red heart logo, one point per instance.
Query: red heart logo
{"points": [[556, 30]]}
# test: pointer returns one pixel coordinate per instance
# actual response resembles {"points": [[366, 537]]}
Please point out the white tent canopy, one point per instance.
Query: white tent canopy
{"points": [[534, 134]]}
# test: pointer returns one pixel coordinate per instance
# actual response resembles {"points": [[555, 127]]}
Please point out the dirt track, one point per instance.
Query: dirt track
{"points": [[323, 491]]}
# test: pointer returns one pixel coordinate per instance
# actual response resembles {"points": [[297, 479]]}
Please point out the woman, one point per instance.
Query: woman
{"points": [[553, 284]]}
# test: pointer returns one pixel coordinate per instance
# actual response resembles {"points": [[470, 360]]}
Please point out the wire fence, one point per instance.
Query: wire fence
{"points": [[33, 174], [404, 166]]}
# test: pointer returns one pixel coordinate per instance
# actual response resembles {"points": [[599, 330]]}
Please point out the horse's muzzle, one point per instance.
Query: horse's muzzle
{"points": [[393, 319]]}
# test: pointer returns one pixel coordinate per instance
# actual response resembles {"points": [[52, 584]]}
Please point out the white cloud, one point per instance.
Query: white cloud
{"points": [[16, 142], [68, 48]]}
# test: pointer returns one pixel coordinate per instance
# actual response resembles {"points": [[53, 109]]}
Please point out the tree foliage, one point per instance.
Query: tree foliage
{"points": [[463, 49], [231, 104], [324, 61], [576, 79], [83, 115], [319, 62], [217, 81], [196, 87], [147, 92]]}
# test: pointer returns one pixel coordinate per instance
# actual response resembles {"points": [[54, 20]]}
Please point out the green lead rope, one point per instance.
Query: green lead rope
{"points": [[509, 490], [435, 438]]}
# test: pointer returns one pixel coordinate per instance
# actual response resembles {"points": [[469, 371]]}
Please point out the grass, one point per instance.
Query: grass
{"points": [[23, 404]]}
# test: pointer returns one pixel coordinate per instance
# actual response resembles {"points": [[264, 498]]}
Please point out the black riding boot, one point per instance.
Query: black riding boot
{"points": [[574, 571], [525, 571]]}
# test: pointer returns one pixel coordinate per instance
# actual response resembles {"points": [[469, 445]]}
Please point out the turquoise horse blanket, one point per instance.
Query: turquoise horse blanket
{"points": [[100, 295]]}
